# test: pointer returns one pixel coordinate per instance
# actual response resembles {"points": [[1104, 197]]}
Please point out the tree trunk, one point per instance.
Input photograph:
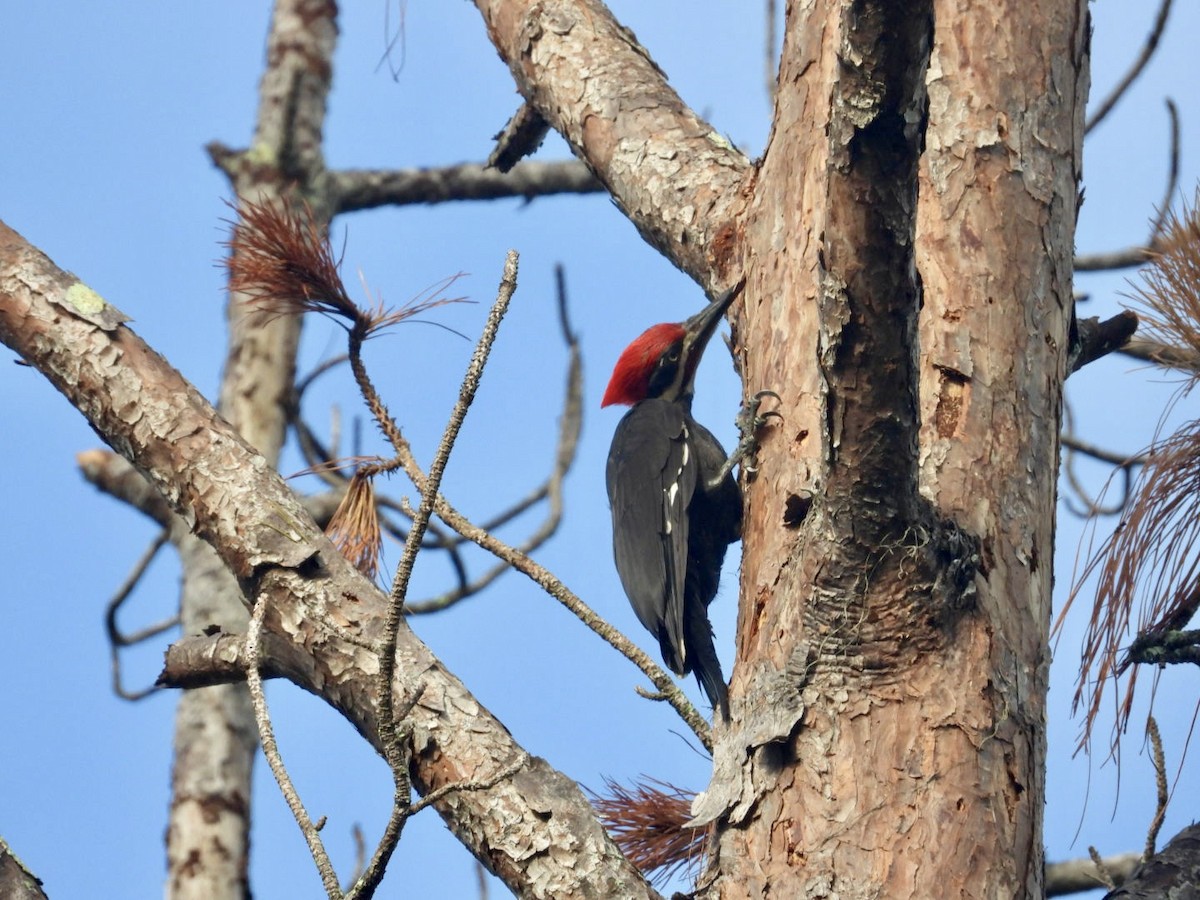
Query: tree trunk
{"points": [[208, 834], [888, 733]]}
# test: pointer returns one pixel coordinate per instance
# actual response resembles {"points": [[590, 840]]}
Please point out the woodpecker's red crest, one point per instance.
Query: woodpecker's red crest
{"points": [[630, 380], [662, 361]]}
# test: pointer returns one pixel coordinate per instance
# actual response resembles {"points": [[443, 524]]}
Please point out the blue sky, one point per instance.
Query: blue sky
{"points": [[108, 108]]}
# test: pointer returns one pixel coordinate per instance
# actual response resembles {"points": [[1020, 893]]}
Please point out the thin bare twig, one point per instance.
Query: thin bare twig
{"points": [[570, 425], [360, 854], [1125, 465], [513, 558], [1160, 220], [403, 809], [320, 462], [266, 734], [1102, 873], [556, 589], [394, 742], [1111, 457], [1074, 447], [1151, 44], [117, 638], [442, 539], [541, 576], [1160, 784], [317, 456], [365, 886], [518, 763], [1136, 256]]}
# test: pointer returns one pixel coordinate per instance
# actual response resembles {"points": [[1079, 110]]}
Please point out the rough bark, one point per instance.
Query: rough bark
{"points": [[892, 651], [208, 826], [16, 881], [533, 827], [356, 189], [678, 180], [215, 742], [1173, 873], [900, 635]]}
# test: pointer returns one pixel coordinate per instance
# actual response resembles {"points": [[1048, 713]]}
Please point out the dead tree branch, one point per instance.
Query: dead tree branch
{"points": [[545, 579], [1093, 339], [1124, 464], [16, 881], [603, 93], [323, 610], [352, 190], [1162, 795], [117, 639], [266, 736], [395, 732], [1074, 876], [520, 137], [1136, 256], [569, 425], [1170, 356]]}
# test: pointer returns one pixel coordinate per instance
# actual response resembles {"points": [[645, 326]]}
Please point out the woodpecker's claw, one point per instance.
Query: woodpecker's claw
{"points": [[749, 421], [757, 421]]}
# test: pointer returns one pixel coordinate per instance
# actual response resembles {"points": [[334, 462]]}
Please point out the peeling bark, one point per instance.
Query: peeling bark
{"points": [[677, 180], [534, 829], [215, 741], [16, 881], [896, 576]]}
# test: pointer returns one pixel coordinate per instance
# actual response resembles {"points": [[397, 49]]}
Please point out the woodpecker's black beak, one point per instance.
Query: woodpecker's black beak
{"points": [[701, 326]]}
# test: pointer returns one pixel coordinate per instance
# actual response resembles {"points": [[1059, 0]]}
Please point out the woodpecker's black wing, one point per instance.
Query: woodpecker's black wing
{"points": [[714, 522], [651, 477]]}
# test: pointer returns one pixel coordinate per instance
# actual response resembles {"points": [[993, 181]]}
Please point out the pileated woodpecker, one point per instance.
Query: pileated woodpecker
{"points": [[675, 506]]}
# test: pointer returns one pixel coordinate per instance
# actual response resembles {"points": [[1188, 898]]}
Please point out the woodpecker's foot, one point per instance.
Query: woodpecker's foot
{"points": [[749, 421]]}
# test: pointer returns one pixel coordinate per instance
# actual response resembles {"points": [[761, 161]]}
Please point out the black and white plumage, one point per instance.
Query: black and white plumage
{"points": [[675, 506], [671, 531]]}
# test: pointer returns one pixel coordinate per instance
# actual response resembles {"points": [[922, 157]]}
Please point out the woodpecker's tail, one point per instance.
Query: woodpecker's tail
{"points": [[702, 659], [713, 683]]}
